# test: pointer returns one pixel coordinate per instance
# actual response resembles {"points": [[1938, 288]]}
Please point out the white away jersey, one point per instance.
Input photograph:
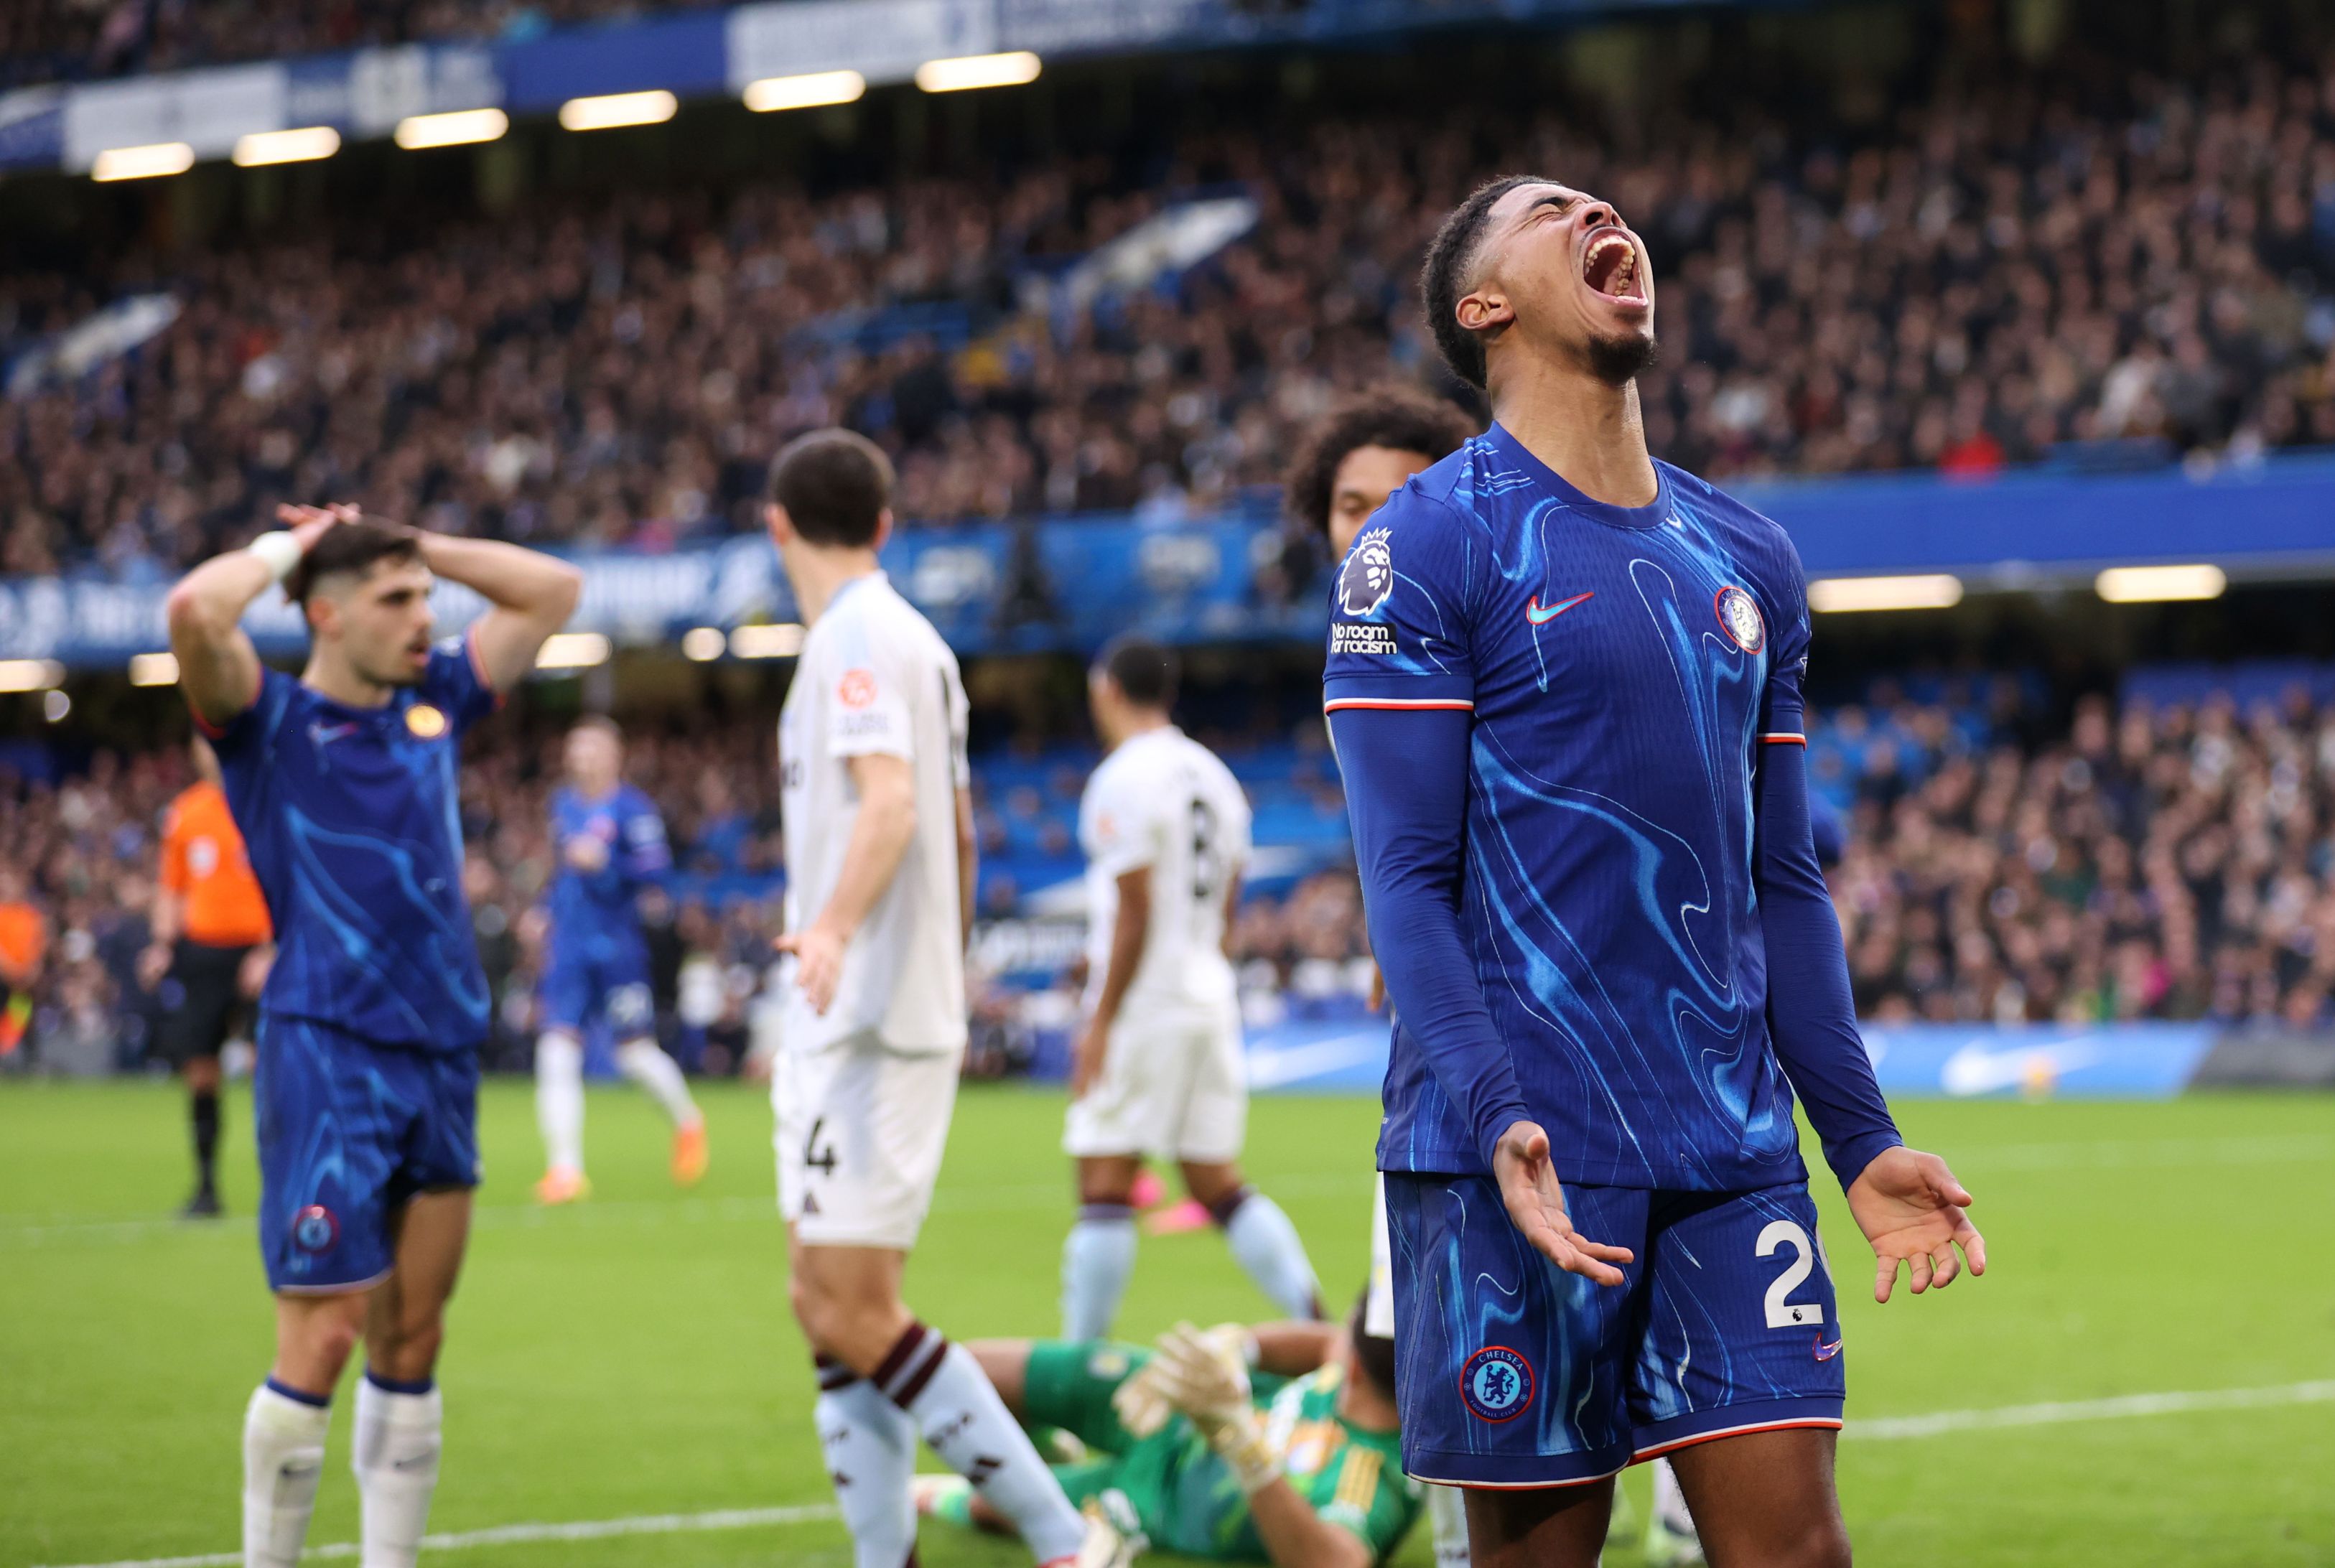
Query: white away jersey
{"points": [[875, 678], [1164, 801]]}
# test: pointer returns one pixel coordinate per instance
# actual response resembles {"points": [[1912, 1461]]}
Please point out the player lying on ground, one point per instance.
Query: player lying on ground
{"points": [[1158, 1069], [1564, 683], [612, 846], [208, 941], [878, 819], [343, 785], [1273, 1444]]}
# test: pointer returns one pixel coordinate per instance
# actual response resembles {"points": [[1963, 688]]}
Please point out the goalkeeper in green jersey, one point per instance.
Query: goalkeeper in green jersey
{"points": [[1278, 1443]]}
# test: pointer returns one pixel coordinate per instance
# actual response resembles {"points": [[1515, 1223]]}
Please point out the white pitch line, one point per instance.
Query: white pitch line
{"points": [[509, 1534], [2124, 1407]]}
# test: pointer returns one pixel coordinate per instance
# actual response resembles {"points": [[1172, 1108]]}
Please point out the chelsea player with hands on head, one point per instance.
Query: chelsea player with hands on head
{"points": [[344, 784], [1565, 683]]}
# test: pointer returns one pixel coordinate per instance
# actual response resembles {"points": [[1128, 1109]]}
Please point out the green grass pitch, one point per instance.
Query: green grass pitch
{"points": [[634, 1356]]}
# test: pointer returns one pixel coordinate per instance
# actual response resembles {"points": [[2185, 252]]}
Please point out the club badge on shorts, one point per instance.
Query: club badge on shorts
{"points": [[315, 1230], [1738, 617], [1496, 1384]]}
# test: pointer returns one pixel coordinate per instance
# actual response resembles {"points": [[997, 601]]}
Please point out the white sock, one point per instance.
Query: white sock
{"points": [[1098, 1257], [870, 1446], [1669, 1502], [397, 1469], [1266, 1244], [283, 1458], [647, 1064], [560, 1100], [943, 1387], [1446, 1519]]}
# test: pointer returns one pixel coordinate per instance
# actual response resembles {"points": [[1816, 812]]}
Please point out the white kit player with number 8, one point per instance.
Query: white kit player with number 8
{"points": [[879, 887], [1158, 1071]]}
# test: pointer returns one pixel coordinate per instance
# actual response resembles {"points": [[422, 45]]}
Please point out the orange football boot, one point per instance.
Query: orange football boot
{"points": [[562, 1184], [689, 1154]]}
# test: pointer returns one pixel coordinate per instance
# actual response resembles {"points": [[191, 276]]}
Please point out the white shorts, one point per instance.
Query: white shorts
{"points": [[861, 1127], [1172, 1087]]}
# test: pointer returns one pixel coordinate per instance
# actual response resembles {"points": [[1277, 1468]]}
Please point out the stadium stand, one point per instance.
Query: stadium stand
{"points": [[2081, 260], [2141, 859], [84, 40]]}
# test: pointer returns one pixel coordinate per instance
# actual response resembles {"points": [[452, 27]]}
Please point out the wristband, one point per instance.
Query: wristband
{"points": [[277, 550]]}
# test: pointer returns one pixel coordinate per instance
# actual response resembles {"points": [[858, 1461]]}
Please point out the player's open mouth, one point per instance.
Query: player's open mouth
{"points": [[1611, 265]]}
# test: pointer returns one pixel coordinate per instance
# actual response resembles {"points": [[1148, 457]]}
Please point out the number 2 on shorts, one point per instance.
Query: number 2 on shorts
{"points": [[1781, 1313]]}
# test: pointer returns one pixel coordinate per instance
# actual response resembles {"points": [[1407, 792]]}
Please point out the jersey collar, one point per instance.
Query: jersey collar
{"points": [[1650, 515]]}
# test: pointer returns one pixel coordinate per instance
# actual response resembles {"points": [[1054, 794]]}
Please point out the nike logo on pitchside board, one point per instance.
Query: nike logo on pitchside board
{"points": [[1541, 617]]}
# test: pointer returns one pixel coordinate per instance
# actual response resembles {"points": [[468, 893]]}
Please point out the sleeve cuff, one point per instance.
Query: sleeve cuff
{"points": [[1497, 1121], [1849, 1159]]}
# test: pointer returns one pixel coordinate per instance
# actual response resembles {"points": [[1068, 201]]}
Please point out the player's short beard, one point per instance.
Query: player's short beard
{"points": [[1617, 361]]}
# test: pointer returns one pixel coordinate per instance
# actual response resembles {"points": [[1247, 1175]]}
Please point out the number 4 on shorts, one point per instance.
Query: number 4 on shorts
{"points": [[823, 1160]]}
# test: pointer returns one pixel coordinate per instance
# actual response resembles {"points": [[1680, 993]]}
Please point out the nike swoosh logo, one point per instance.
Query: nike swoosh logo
{"points": [[1827, 1352], [1541, 617]]}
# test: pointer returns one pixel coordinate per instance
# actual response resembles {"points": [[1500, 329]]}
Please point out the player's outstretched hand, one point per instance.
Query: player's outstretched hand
{"points": [[818, 963], [1910, 1207], [1528, 1186]]}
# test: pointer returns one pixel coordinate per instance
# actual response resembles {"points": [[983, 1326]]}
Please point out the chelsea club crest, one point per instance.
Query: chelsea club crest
{"points": [[1496, 1384], [1738, 617], [1368, 576]]}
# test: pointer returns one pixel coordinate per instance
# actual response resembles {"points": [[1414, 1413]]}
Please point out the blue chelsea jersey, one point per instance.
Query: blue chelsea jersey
{"points": [[350, 817], [597, 910], [1623, 667]]}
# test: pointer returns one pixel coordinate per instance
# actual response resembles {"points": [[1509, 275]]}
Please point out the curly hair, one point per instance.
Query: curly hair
{"points": [[1443, 276], [1395, 417]]}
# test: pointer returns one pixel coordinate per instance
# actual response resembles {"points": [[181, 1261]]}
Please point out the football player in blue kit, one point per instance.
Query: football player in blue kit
{"points": [[343, 782], [1565, 683], [612, 846]]}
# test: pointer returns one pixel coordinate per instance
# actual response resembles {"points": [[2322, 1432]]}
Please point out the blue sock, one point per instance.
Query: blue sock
{"points": [[1098, 1258]]}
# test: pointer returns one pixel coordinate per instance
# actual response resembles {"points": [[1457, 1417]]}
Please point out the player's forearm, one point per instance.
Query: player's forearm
{"points": [[506, 575], [218, 668], [1405, 794], [1127, 934], [1292, 1349], [162, 925], [1295, 1535], [1811, 1014], [532, 594], [968, 862], [881, 836]]}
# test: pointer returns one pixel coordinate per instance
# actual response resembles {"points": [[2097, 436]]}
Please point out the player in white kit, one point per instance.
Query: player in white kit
{"points": [[1157, 1070], [879, 861]]}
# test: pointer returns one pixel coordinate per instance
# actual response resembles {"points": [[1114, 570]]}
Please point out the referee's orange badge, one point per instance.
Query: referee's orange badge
{"points": [[425, 722]]}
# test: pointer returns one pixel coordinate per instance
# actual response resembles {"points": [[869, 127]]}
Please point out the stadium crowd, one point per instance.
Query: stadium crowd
{"points": [[2018, 261], [2174, 863], [84, 40]]}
